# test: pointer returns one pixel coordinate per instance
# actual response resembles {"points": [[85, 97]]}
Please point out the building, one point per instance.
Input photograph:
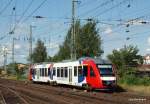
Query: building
{"points": [[146, 59]]}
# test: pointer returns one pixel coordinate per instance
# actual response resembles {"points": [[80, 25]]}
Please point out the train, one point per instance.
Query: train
{"points": [[88, 73]]}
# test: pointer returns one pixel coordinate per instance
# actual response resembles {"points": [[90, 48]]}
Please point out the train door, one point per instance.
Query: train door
{"points": [[75, 76], [70, 75]]}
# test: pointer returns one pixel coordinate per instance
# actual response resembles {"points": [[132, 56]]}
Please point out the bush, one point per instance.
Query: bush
{"points": [[131, 79]]}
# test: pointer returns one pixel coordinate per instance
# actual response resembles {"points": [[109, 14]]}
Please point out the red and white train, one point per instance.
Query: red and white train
{"points": [[85, 72]]}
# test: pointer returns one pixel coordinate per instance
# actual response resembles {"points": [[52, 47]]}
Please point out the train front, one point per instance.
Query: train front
{"points": [[107, 76]]}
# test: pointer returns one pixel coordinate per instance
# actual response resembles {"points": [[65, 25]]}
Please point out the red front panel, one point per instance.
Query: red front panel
{"points": [[93, 77]]}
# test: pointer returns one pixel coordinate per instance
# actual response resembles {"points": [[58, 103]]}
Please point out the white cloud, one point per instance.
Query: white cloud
{"points": [[17, 46], [52, 45], [22, 29], [108, 30], [148, 49], [148, 40]]}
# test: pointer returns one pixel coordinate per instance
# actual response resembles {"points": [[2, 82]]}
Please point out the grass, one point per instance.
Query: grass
{"points": [[137, 88], [14, 77]]}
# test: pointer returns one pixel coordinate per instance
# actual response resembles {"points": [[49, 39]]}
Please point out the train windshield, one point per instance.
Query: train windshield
{"points": [[105, 69]]}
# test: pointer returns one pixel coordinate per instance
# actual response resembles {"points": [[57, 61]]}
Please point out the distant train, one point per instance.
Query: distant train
{"points": [[85, 72]]}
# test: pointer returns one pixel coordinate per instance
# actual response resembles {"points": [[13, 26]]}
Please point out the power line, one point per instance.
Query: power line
{"points": [[30, 14], [6, 6], [88, 2], [105, 11], [27, 8], [132, 35], [99, 6], [34, 10]]}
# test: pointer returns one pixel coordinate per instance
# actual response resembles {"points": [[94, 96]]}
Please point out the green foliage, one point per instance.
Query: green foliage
{"points": [[126, 60], [13, 69], [125, 57], [39, 53], [131, 79], [87, 42]]}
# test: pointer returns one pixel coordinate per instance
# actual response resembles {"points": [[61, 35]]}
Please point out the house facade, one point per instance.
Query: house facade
{"points": [[146, 59]]}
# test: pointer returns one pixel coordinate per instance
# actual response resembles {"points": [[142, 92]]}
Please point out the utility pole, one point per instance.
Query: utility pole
{"points": [[30, 44], [13, 53], [13, 43], [73, 33], [5, 59]]}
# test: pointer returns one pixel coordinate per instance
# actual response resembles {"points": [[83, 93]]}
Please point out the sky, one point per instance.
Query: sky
{"points": [[119, 24]]}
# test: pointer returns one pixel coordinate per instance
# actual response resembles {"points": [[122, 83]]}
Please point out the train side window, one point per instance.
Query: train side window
{"points": [[46, 72], [66, 72], [75, 71], [58, 72], [62, 72], [54, 71], [92, 74], [40, 72], [43, 72], [85, 70], [79, 70], [34, 71]]}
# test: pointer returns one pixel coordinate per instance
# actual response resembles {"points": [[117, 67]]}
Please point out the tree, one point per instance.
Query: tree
{"points": [[87, 42], [13, 69], [125, 58], [39, 53]]}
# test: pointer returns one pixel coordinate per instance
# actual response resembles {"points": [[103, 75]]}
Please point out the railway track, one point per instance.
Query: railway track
{"points": [[44, 94], [10, 96], [2, 99]]}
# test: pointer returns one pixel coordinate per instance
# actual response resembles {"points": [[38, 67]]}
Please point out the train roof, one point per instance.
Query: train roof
{"points": [[97, 60]]}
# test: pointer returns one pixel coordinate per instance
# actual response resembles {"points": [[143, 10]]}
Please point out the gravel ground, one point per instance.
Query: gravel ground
{"points": [[19, 92]]}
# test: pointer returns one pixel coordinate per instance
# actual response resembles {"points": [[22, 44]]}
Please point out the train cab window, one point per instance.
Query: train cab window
{"points": [[79, 70], [66, 72], [75, 71], [85, 70], [58, 72], [54, 71], [62, 72], [92, 74]]}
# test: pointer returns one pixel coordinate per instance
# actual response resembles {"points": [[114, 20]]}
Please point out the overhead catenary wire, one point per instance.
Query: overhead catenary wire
{"points": [[5, 7], [39, 6], [27, 8], [105, 11], [42, 3], [95, 8]]}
